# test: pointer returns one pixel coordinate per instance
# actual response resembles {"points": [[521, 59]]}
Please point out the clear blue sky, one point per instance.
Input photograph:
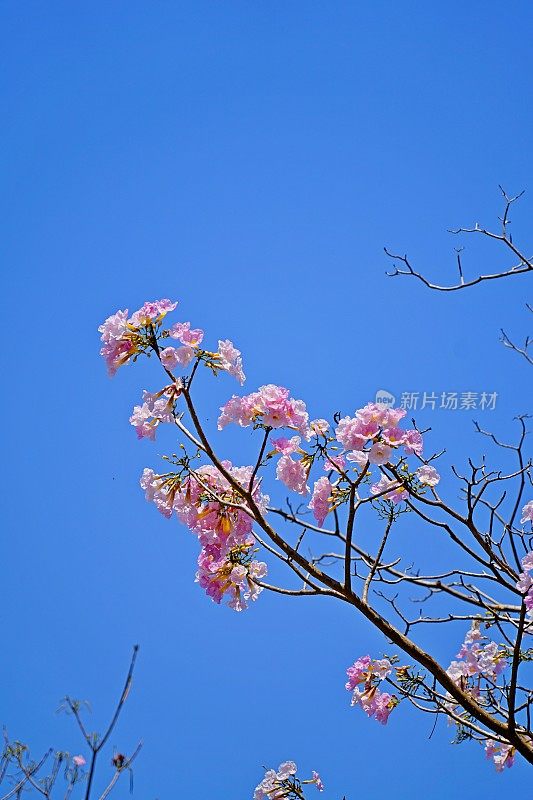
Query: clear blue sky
{"points": [[250, 159]]}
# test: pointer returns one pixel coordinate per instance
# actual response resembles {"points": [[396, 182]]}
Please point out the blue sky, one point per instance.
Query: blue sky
{"points": [[250, 160]]}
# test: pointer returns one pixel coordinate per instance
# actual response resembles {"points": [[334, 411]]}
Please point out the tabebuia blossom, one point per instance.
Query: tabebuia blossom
{"points": [[157, 407], [321, 501], [357, 457], [286, 446], [151, 313], [390, 489], [527, 513], [335, 463], [413, 443], [119, 341], [293, 474], [317, 427], [172, 357], [377, 425], [427, 475], [230, 360], [271, 406], [525, 582], [207, 503], [126, 338], [355, 464], [379, 453], [284, 783], [478, 657], [501, 753], [182, 331], [364, 678]]}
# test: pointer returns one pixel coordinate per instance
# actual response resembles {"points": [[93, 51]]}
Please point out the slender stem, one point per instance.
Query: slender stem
{"points": [[377, 559], [123, 697]]}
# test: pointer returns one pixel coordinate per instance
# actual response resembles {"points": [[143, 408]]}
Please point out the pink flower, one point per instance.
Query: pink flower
{"points": [[502, 754], [318, 427], [358, 457], [151, 313], [380, 415], [320, 501], [335, 463], [143, 422], [282, 784], [183, 332], [413, 442], [375, 703], [286, 446], [169, 357], [396, 492], [293, 474], [120, 335], [270, 406], [269, 788], [317, 780], [527, 513], [221, 576], [209, 505], [486, 660], [527, 562], [353, 433], [525, 582], [286, 769], [428, 475], [358, 672], [382, 706], [79, 761], [364, 669], [118, 345], [185, 355], [380, 453], [156, 408], [172, 356], [157, 492], [114, 327], [231, 360]]}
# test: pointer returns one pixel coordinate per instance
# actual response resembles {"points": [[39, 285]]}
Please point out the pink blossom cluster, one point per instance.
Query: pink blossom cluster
{"points": [[364, 678], [321, 501], [378, 425], [283, 783], [156, 408], [501, 753], [120, 335], [271, 406], [207, 503], [478, 657], [124, 337], [293, 474], [525, 582]]}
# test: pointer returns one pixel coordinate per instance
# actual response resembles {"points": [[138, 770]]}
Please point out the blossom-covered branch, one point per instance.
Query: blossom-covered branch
{"points": [[366, 472]]}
